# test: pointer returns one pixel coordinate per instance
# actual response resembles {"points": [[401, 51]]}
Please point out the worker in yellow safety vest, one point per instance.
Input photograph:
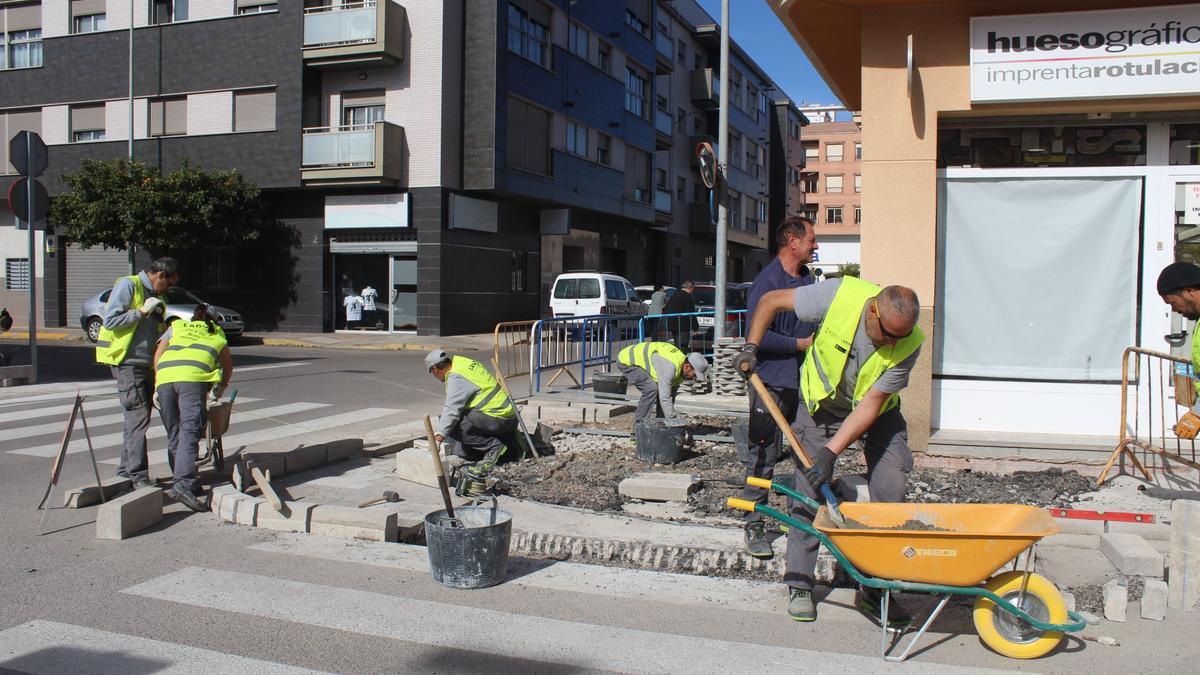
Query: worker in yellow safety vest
{"points": [[1179, 287], [132, 321], [192, 361], [862, 353], [477, 415], [657, 369]]}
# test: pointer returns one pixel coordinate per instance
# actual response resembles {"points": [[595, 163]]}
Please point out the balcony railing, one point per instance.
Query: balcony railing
{"points": [[662, 201], [334, 24], [360, 154], [363, 33]]}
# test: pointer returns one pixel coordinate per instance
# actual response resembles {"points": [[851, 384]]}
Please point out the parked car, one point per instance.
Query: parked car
{"points": [[706, 297], [645, 292], [181, 304], [591, 293]]}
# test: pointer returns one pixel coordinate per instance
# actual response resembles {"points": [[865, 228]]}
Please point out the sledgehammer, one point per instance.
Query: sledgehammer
{"points": [[388, 496]]}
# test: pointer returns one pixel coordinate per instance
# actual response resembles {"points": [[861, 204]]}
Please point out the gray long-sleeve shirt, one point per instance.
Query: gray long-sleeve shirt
{"points": [[459, 392], [120, 313], [664, 370]]}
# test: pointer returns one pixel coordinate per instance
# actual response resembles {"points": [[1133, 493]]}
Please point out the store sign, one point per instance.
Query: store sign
{"points": [[1148, 51], [366, 211], [1191, 204]]}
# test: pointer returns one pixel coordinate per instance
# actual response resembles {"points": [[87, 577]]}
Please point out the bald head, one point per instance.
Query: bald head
{"points": [[902, 303]]}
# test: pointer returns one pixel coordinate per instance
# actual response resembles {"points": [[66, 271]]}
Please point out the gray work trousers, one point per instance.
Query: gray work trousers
{"points": [[135, 389], [482, 436], [648, 405], [889, 460], [766, 442], [182, 407]]}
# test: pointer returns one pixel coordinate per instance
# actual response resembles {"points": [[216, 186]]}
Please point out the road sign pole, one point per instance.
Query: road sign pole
{"points": [[32, 268], [722, 173]]}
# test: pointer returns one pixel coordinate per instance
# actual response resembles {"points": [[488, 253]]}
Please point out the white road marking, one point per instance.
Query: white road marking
{"points": [[267, 366], [93, 422]]}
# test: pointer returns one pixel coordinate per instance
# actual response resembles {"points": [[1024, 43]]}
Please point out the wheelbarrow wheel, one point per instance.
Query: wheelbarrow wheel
{"points": [[1009, 635], [218, 456]]}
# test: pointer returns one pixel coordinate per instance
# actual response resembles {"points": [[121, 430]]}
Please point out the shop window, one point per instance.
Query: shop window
{"points": [[833, 215], [219, 266], [1066, 146], [16, 274], [1185, 144]]}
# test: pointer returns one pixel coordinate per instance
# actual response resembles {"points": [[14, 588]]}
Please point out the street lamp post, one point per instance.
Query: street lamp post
{"points": [[129, 151], [722, 168]]}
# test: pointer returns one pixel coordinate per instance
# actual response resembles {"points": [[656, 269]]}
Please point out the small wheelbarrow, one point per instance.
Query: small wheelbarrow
{"points": [[216, 423], [945, 550]]}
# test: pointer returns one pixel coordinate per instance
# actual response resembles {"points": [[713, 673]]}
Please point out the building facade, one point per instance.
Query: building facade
{"points": [[831, 183], [449, 158]]}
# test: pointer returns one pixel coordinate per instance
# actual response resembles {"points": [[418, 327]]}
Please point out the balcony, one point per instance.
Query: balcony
{"points": [[662, 200], [664, 127], [706, 87], [665, 53], [354, 35], [357, 155]]}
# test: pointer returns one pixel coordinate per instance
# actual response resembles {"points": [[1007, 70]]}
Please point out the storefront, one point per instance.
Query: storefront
{"points": [[373, 263], [1036, 169]]}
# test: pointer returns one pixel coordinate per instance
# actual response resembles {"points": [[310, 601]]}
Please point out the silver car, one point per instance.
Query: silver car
{"points": [[180, 305]]}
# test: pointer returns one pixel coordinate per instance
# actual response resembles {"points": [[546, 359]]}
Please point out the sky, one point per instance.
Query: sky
{"points": [[760, 34]]}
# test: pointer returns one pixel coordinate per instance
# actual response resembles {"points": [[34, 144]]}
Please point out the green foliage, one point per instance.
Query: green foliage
{"points": [[116, 203], [848, 270]]}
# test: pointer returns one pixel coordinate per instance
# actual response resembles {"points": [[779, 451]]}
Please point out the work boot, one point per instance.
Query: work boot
{"points": [[143, 483], [757, 544], [800, 605], [185, 497], [869, 600]]}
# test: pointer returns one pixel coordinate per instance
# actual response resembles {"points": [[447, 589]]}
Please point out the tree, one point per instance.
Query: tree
{"points": [[117, 203], [848, 270]]}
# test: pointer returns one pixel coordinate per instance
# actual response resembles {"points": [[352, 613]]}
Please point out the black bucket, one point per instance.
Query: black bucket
{"points": [[740, 429], [659, 443], [474, 555], [609, 383]]}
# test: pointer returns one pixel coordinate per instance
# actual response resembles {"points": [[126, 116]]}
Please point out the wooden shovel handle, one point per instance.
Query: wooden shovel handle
{"points": [[437, 463], [765, 397]]}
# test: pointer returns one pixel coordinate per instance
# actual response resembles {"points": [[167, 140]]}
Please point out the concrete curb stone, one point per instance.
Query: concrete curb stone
{"points": [[129, 514]]}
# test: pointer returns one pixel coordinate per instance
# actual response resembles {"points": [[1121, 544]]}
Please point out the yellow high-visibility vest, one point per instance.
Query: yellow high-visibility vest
{"points": [[639, 355], [113, 345], [191, 354], [490, 399]]}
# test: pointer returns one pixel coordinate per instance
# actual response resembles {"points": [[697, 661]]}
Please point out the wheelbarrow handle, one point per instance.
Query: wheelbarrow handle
{"points": [[783, 490]]}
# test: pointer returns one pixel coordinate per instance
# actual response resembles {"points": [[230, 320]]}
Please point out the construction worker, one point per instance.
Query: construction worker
{"points": [[192, 360], [133, 320], [861, 356], [477, 414], [1179, 286], [657, 369]]}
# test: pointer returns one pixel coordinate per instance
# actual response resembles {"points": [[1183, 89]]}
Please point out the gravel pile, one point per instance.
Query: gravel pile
{"points": [[1090, 597]]}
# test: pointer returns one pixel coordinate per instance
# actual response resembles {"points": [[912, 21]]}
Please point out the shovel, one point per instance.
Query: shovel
{"points": [[441, 474], [835, 510]]}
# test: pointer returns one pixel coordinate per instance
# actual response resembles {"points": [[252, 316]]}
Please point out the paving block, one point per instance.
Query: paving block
{"points": [[249, 508], [228, 506], [304, 458], [346, 522], [345, 448], [1116, 599], [1154, 600], [416, 465], [218, 493], [551, 413], [77, 498], [1131, 555], [129, 514], [1183, 588], [272, 460], [659, 487], [293, 518]]}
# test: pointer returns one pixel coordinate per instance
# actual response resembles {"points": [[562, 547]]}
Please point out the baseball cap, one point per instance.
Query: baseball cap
{"points": [[1178, 276], [435, 357], [699, 363]]}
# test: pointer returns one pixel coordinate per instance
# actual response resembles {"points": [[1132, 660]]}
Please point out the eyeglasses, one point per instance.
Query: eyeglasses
{"points": [[883, 329]]}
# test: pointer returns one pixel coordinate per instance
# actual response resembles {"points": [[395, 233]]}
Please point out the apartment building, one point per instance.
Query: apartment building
{"points": [[787, 196], [831, 183], [453, 156]]}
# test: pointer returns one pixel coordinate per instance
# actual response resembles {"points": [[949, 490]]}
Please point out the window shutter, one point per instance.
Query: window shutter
{"points": [[253, 110], [88, 7], [255, 3], [363, 97], [175, 116], [87, 118], [24, 17]]}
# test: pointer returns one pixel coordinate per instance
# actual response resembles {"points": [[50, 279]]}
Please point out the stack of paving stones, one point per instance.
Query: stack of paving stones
{"points": [[724, 378]]}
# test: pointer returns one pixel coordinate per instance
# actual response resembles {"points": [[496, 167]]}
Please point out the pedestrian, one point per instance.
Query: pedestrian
{"points": [[1179, 287], [192, 360], [862, 354], [476, 414], [680, 328], [658, 300], [780, 355], [657, 369], [133, 320]]}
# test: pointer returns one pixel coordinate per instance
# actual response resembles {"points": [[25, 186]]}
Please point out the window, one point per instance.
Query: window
{"points": [[90, 23], [577, 139], [520, 263], [833, 215], [858, 215], [168, 117], [794, 129], [858, 151], [603, 149], [752, 100], [809, 182], [857, 183], [21, 45], [764, 104], [635, 22], [604, 57], [253, 110], [660, 179], [680, 113], [697, 60], [16, 274], [87, 123], [257, 6], [735, 209], [615, 290], [527, 36], [735, 88], [219, 266], [833, 184], [637, 175], [681, 52], [579, 40], [361, 109], [528, 137], [680, 188], [735, 150], [762, 212], [169, 11], [812, 153], [833, 152], [637, 88], [751, 158]]}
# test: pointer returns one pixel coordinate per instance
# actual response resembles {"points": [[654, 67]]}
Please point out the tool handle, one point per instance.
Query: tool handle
{"points": [[764, 483], [769, 403], [831, 501], [437, 463], [741, 504], [372, 502]]}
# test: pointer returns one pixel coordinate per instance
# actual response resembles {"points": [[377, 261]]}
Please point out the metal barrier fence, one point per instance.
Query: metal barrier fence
{"points": [[665, 328], [511, 346], [1155, 389]]}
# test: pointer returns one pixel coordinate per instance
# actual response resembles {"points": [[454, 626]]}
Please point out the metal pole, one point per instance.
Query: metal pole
{"points": [[32, 266], [129, 246], [722, 169]]}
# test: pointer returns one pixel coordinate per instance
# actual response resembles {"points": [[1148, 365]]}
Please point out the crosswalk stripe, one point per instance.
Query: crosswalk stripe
{"points": [[232, 442], [53, 647], [93, 422], [93, 390], [79, 443], [52, 410], [267, 366], [545, 640]]}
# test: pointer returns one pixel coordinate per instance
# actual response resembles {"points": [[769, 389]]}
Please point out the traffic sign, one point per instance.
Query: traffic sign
{"points": [[18, 201], [708, 163], [28, 154]]}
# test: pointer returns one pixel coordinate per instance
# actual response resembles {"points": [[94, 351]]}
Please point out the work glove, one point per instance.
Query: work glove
{"points": [[150, 305], [746, 360], [1188, 426], [217, 391], [821, 470]]}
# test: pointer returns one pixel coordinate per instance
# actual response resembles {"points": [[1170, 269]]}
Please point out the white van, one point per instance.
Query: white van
{"points": [[590, 293]]}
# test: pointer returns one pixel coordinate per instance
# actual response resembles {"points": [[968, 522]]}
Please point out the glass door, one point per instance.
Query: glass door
{"points": [[403, 296]]}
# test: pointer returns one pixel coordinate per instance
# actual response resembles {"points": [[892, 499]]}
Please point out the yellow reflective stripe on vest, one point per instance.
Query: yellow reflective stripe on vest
{"points": [[639, 355], [191, 355], [1196, 358], [825, 362], [490, 399], [113, 345]]}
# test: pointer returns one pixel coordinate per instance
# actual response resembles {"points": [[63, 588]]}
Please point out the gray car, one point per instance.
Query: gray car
{"points": [[180, 305]]}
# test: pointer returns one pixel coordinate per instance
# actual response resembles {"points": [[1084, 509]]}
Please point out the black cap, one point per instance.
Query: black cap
{"points": [[1177, 276]]}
